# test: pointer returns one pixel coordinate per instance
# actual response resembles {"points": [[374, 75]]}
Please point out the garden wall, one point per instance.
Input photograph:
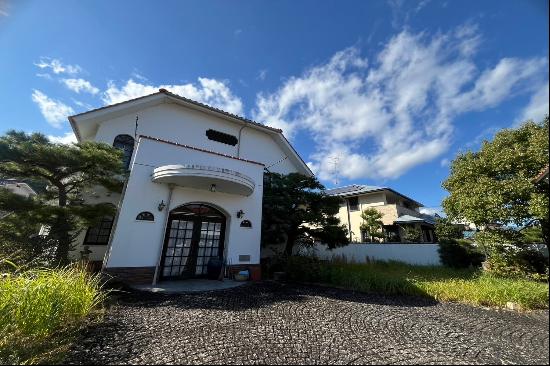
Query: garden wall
{"points": [[421, 254]]}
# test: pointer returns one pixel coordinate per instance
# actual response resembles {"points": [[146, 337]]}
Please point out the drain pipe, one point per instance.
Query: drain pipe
{"points": [[239, 143], [155, 277]]}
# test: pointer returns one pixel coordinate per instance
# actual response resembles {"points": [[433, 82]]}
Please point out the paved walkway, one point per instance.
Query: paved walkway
{"points": [[273, 323]]}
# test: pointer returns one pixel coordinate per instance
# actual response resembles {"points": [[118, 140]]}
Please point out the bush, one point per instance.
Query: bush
{"points": [[518, 262], [459, 254], [38, 306], [445, 229]]}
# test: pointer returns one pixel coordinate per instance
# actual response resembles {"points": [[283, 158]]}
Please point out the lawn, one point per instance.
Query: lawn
{"points": [[441, 283], [41, 310]]}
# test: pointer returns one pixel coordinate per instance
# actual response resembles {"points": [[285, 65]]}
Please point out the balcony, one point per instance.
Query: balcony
{"points": [[207, 178]]}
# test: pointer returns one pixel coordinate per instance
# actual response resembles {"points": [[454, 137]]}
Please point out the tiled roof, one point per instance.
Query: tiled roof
{"points": [[411, 219], [353, 189], [166, 92], [357, 190]]}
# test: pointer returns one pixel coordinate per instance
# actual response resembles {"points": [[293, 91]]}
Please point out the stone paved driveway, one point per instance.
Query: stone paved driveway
{"points": [[274, 323]]}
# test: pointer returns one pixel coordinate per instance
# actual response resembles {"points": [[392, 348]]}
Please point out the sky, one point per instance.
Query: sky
{"points": [[379, 92]]}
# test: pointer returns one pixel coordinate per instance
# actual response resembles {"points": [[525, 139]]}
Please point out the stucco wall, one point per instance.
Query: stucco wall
{"points": [[138, 243], [420, 254], [185, 126]]}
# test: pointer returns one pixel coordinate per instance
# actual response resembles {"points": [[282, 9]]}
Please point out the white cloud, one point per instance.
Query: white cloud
{"points": [[538, 105], [209, 91], [445, 162], [57, 67], [78, 85], [384, 117], [262, 74], [67, 138], [54, 111], [432, 211]]}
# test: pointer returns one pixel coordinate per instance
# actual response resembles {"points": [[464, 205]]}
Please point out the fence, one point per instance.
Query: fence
{"points": [[420, 254]]}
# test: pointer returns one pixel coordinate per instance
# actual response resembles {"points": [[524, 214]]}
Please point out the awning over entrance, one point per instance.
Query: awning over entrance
{"points": [[205, 177]]}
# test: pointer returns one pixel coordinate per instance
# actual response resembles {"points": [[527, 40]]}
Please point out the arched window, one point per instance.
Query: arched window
{"points": [[126, 144], [145, 216], [99, 234]]}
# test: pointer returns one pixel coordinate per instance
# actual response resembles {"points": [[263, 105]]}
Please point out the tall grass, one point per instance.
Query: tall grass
{"points": [[39, 304], [437, 282]]}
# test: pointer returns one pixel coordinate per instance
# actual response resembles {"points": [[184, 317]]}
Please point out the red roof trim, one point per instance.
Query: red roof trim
{"points": [[198, 149]]}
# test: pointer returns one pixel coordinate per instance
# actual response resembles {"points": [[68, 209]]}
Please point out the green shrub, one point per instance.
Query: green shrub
{"points": [[518, 262], [459, 254], [36, 306]]}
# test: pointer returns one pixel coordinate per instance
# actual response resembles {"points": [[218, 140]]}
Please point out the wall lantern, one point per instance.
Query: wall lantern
{"points": [[162, 205], [240, 214], [212, 188]]}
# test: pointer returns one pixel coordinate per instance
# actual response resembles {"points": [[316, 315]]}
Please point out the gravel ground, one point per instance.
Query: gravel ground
{"points": [[274, 323]]}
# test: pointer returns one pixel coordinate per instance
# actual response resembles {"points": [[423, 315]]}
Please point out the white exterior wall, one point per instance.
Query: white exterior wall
{"points": [[139, 243], [419, 254], [181, 125]]}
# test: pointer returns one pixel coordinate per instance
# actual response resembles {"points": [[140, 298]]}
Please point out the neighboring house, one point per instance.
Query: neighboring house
{"points": [[399, 213], [194, 189], [20, 188]]}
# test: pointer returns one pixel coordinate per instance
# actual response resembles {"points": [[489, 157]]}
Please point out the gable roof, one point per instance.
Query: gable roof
{"points": [[358, 190], [83, 130]]}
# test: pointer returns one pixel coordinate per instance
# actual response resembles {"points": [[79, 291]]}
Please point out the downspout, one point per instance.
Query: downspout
{"points": [[349, 221], [161, 246], [239, 143]]}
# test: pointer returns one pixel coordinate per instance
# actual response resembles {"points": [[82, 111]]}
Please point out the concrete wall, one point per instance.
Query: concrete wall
{"points": [[421, 254]]}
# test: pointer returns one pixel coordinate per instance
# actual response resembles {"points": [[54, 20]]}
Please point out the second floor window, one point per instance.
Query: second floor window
{"points": [[353, 203], [126, 144]]}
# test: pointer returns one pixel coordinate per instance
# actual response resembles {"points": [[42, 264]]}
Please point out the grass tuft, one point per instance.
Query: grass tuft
{"points": [[39, 307], [440, 283]]}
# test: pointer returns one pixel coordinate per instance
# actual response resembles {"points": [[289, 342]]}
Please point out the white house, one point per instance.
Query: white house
{"points": [[194, 190]]}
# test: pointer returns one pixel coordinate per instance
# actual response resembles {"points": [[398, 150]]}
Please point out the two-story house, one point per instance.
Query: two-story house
{"points": [[194, 187], [399, 213]]}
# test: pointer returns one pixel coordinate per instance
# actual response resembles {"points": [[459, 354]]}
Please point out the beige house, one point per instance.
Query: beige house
{"points": [[400, 213]]}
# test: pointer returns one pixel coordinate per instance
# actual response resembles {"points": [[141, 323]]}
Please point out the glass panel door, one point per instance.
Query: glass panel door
{"points": [[178, 246], [194, 235]]}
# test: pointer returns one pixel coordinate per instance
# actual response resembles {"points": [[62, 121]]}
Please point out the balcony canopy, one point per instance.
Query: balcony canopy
{"points": [[207, 178]]}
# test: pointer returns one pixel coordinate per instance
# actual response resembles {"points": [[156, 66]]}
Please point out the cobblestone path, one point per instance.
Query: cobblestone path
{"points": [[274, 323]]}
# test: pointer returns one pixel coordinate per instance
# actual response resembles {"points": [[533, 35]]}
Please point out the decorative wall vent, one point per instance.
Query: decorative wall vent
{"points": [[145, 216], [224, 138], [246, 223]]}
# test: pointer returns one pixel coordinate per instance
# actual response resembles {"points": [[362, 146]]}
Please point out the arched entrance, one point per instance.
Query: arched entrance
{"points": [[194, 235]]}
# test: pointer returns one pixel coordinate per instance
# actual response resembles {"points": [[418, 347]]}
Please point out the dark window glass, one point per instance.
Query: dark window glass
{"points": [[391, 234], [145, 216], [126, 144], [99, 234], [246, 223], [224, 138], [353, 203]]}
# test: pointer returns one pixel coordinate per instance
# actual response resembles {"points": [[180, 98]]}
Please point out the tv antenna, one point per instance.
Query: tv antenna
{"points": [[334, 161]]}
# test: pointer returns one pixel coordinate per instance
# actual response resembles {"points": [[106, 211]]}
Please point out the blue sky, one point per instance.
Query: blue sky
{"points": [[369, 92]]}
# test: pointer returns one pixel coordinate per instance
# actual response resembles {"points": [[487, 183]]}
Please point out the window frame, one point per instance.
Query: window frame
{"points": [[145, 213], [353, 207], [126, 143], [100, 226]]}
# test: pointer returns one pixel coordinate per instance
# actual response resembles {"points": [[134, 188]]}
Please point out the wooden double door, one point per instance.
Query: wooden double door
{"points": [[194, 235]]}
